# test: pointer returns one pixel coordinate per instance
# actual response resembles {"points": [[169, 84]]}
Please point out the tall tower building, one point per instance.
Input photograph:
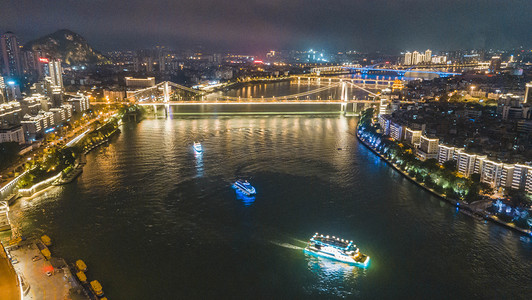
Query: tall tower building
{"points": [[10, 53], [528, 93], [2, 90], [420, 58], [56, 72], [408, 58], [428, 56], [415, 57]]}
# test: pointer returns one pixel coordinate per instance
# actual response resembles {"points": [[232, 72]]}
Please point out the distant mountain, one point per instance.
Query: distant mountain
{"points": [[68, 46]]}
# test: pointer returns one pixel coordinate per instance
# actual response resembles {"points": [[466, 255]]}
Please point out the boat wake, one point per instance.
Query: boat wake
{"points": [[286, 245]]}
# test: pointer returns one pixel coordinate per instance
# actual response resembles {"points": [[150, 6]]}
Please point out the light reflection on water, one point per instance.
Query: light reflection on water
{"points": [[146, 196], [333, 277], [199, 163], [246, 200]]}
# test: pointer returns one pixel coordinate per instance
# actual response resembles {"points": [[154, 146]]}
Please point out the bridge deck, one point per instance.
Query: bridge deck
{"points": [[232, 102]]}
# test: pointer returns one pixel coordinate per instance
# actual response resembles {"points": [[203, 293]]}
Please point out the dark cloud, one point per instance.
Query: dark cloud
{"points": [[252, 25]]}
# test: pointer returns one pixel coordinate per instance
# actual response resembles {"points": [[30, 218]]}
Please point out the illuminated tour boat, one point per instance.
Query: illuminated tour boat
{"points": [[197, 147], [336, 248], [245, 187]]}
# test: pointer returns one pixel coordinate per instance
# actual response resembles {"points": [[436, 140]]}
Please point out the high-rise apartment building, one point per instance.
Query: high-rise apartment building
{"points": [[428, 56], [408, 58], [11, 59], [415, 57], [528, 93], [55, 71]]}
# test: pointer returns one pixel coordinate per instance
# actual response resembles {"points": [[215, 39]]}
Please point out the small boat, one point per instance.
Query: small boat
{"points": [[46, 240], [81, 276], [245, 187], [81, 265], [197, 147], [96, 287], [337, 249]]}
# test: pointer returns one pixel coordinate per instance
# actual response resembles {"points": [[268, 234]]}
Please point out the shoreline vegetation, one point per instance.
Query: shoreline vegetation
{"points": [[63, 165], [468, 195]]}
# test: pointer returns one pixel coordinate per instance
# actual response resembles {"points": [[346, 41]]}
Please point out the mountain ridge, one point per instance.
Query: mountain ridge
{"points": [[69, 46]]}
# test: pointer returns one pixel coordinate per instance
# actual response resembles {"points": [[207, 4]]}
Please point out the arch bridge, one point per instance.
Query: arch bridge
{"points": [[169, 93]]}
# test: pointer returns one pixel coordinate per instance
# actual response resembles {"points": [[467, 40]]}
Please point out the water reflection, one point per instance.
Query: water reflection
{"points": [[247, 200], [333, 277], [199, 163]]}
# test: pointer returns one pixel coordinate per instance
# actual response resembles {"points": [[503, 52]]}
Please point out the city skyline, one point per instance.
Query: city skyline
{"points": [[363, 26]]}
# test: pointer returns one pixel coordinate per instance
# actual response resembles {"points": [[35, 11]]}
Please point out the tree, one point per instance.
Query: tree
{"points": [[430, 165], [450, 165], [475, 177], [518, 197], [486, 188]]}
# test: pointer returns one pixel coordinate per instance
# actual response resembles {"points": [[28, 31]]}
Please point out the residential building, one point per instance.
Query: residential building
{"points": [[445, 153], [10, 112], [397, 131], [140, 82], [13, 133], [428, 148], [528, 93], [408, 58], [80, 103], [10, 55], [114, 95], [55, 72], [491, 172], [385, 122], [465, 163], [412, 137], [68, 111], [428, 56]]}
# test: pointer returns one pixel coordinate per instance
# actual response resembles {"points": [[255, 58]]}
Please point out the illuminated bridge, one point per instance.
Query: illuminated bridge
{"points": [[169, 93], [423, 69]]}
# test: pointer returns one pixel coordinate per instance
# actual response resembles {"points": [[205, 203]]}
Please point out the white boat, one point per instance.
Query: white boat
{"points": [[197, 147], [337, 249], [245, 187]]}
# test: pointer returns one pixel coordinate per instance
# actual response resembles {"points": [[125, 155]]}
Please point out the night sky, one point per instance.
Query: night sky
{"points": [[257, 25]]}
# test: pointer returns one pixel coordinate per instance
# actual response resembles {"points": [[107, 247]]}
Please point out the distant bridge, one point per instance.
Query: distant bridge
{"points": [[374, 68]]}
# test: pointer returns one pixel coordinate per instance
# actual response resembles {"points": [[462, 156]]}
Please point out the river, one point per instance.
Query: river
{"points": [[152, 220]]}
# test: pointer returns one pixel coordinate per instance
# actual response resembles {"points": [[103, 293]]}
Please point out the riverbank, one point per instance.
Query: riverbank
{"points": [[43, 275], [29, 262], [462, 206]]}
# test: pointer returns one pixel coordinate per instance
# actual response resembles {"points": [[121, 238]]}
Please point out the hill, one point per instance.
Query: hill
{"points": [[68, 46]]}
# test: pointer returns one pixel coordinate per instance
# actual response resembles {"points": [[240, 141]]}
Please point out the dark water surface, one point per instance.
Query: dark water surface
{"points": [[154, 221]]}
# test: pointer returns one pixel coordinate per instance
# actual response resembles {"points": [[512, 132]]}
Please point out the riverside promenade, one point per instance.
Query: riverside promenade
{"points": [[9, 282], [463, 207]]}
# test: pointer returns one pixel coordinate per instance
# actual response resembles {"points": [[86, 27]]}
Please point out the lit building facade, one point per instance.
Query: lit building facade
{"points": [[12, 134], [11, 57]]}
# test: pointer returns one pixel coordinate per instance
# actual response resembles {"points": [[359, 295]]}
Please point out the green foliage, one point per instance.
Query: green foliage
{"points": [[519, 198], [475, 177], [443, 180], [450, 165]]}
